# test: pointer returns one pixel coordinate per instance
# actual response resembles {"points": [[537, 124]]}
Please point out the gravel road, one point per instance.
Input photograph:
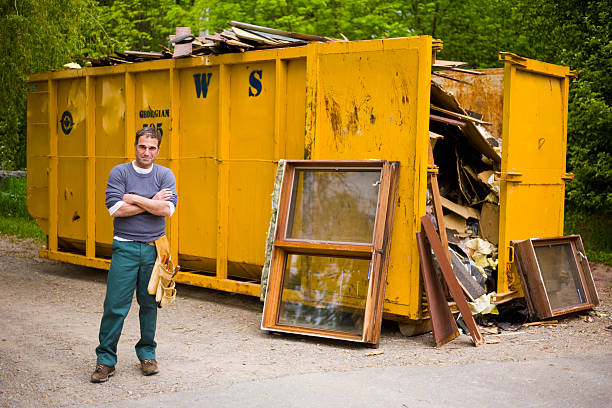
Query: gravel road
{"points": [[51, 313]]}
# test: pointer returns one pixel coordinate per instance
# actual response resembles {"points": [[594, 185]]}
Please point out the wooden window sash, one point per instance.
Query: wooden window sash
{"points": [[535, 291], [377, 251], [306, 165]]}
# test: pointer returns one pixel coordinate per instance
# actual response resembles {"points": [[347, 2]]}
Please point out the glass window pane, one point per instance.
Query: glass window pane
{"points": [[560, 275], [334, 205], [323, 292]]}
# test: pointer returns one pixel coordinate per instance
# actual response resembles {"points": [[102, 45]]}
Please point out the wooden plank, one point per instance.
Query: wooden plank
{"points": [[462, 210], [443, 325], [143, 54], [308, 37], [276, 37], [437, 203], [451, 78], [432, 179], [460, 116], [467, 71], [438, 63], [448, 121], [451, 280], [246, 35]]}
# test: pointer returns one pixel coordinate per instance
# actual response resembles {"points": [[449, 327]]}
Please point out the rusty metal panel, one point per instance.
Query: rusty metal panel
{"points": [[485, 95]]}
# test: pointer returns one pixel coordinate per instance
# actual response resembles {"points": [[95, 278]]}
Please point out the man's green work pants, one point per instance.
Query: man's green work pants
{"points": [[130, 268]]}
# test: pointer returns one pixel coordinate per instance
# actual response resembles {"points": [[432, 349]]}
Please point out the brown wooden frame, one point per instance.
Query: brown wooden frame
{"points": [[533, 284], [443, 325], [377, 251], [451, 280]]}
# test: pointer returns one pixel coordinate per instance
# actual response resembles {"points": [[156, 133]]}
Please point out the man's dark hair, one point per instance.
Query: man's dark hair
{"points": [[149, 132]]}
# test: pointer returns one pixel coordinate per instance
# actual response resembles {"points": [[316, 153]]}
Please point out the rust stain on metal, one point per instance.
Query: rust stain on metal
{"points": [[485, 94], [335, 117]]}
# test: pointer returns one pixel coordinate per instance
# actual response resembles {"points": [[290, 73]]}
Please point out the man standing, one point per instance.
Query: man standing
{"points": [[138, 197]]}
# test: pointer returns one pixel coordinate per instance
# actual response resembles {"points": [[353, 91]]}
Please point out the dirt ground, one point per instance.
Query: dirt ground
{"points": [[50, 314]]}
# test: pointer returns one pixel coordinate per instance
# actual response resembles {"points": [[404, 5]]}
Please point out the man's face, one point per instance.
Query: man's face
{"points": [[147, 150]]}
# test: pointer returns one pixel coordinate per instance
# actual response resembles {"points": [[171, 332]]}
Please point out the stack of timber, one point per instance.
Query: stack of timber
{"points": [[239, 37]]}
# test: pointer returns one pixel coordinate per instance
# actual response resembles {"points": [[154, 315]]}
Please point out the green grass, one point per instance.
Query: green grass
{"points": [[596, 233], [14, 217]]}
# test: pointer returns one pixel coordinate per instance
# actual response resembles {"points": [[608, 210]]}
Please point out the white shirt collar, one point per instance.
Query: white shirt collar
{"points": [[140, 170]]}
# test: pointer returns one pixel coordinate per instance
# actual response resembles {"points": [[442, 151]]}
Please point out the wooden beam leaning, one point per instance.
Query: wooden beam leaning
{"points": [[451, 280], [448, 121], [460, 116], [432, 179], [437, 202], [437, 206], [443, 325]]}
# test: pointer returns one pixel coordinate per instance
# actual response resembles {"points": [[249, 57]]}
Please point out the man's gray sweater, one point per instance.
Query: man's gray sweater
{"points": [[123, 179]]}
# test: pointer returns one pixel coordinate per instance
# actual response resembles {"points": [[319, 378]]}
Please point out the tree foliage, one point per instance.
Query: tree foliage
{"points": [[38, 36], [143, 25], [579, 34]]}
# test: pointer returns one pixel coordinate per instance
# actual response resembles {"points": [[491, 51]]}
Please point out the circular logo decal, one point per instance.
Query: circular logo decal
{"points": [[66, 122]]}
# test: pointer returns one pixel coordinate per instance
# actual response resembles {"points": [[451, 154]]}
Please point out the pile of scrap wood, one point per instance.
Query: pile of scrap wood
{"points": [[458, 246], [239, 37], [465, 155]]}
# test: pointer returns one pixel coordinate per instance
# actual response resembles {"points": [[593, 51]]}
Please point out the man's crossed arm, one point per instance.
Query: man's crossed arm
{"points": [[135, 204]]}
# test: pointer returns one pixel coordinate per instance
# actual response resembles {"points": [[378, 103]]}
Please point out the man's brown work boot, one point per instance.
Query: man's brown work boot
{"points": [[149, 367], [101, 373]]}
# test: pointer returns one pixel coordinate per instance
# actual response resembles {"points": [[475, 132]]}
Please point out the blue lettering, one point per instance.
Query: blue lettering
{"points": [[201, 84], [255, 83]]}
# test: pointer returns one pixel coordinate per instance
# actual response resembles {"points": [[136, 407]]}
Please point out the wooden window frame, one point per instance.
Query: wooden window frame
{"points": [[533, 284], [377, 251]]}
